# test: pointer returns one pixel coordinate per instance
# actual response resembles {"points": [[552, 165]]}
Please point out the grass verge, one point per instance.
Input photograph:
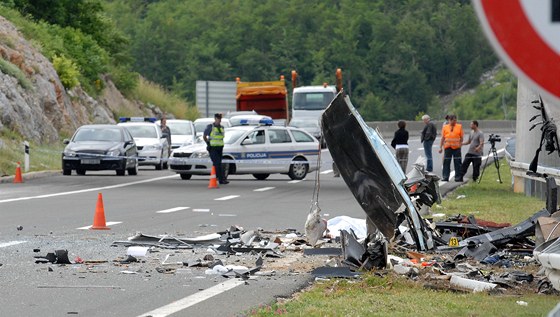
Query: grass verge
{"points": [[152, 93], [393, 295], [41, 157]]}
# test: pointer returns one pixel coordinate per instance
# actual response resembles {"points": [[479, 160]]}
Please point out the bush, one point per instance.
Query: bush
{"points": [[67, 71]]}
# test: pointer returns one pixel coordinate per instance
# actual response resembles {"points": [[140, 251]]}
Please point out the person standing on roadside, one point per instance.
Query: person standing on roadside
{"points": [[214, 138], [474, 155], [165, 129], [427, 138], [451, 141], [400, 144]]}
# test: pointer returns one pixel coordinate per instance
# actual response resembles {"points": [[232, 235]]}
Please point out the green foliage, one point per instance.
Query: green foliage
{"points": [[14, 71], [495, 99], [151, 93], [396, 56], [67, 71]]}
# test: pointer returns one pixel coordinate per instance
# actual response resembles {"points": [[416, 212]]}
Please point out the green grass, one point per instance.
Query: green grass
{"points": [[393, 295], [41, 157], [8, 68]]}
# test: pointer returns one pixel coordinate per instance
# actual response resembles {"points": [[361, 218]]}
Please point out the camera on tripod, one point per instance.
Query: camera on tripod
{"points": [[493, 138]]}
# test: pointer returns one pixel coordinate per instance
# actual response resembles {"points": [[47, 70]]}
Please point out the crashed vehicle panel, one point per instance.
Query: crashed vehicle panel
{"points": [[371, 171]]}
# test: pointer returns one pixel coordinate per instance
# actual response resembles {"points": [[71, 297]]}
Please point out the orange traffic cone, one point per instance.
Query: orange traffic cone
{"points": [[99, 217], [213, 181], [18, 178]]}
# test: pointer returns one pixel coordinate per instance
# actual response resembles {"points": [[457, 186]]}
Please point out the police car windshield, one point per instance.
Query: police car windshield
{"points": [[142, 131], [233, 135], [180, 128]]}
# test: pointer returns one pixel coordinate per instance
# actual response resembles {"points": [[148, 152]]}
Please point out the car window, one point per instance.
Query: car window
{"points": [[256, 136], [279, 136], [231, 136], [300, 136]]}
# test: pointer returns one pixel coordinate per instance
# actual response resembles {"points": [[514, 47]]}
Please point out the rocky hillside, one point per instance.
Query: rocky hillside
{"points": [[35, 104]]}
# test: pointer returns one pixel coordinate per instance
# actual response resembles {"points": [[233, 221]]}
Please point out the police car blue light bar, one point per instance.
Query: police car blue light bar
{"points": [[137, 119], [256, 122]]}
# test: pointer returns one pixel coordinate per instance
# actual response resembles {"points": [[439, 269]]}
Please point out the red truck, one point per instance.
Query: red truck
{"points": [[269, 98]]}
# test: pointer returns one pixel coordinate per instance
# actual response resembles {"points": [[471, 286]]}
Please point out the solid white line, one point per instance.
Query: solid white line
{"points": [[87, 190], [165, 211], [294, 182], [9, 244], [193, 299], [108, 223], [263, 189], [200, 210], [227, 197], [326, 171], [227, 215]]}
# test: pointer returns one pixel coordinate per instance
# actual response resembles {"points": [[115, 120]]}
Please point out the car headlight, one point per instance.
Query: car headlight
{"points": [[113, 153], [200, 155], [69, 153]]}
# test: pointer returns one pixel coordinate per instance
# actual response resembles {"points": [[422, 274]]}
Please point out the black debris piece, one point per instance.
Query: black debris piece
{"points": [[62, 257], [323, 251], [477, 251]]}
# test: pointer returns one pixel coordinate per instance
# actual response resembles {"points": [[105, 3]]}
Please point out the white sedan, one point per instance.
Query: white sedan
{"points": [[151, 142], [257, 150]]}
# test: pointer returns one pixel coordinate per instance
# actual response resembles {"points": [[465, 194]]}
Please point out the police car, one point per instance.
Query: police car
{"points": [[153, 148], [259, 150]]}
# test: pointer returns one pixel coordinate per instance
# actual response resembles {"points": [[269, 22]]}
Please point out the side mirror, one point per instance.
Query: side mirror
{"points": [[127, 143], [66, 141], [247, 142]]}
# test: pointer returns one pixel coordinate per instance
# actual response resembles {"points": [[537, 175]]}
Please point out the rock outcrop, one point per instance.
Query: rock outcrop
{"points": [[35, 104]]}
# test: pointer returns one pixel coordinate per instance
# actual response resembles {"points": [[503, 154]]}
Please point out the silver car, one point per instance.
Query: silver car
{"points": [[257, 150]]}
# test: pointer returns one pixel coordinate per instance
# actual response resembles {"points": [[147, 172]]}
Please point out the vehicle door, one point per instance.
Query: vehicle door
{"points": [[281, 149], [254, 152], [129, 145], [306, 146]]}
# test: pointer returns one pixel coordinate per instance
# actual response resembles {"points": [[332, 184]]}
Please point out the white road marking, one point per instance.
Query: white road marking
{"points": [[263, 189], [294, 182], [108, 223], [193, 299], [326, 171], [9, 244], [87, 190], [227, 197], [200, 210], [165, 211], [227, 215]]}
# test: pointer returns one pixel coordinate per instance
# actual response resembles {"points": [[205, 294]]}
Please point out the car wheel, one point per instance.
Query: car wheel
{"points": [[186, 176], [81, 172], [121, 172], [159, 166], [133, 170], [261, 177], [298, 170], [66, 172], [225, 170], [165, 166]]}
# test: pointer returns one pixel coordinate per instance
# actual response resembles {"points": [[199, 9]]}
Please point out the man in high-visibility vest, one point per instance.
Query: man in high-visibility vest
{"points": [[451, 142], [214, 138]]}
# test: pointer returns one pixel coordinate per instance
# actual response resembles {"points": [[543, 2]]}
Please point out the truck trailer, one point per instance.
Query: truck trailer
{"points": [[269, 98]]}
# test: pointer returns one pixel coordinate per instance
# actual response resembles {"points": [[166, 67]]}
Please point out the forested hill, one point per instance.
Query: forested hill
{"points": [[396, 55]]}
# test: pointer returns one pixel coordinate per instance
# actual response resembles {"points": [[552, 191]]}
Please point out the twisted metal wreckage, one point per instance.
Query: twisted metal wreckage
{"points": [[389, 200]]}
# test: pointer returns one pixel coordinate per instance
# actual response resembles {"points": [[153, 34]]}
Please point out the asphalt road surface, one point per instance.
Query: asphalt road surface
{"points": [[54, 213]]}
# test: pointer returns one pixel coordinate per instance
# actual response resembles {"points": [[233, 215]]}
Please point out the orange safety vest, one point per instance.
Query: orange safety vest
{"points": [[452, 138]]}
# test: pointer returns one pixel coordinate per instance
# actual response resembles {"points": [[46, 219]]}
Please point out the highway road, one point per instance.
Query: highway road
{"points": [[55, 212]]}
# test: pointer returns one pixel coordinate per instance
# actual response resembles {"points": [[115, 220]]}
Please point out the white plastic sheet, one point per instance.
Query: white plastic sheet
{"points": [[334, 225]]}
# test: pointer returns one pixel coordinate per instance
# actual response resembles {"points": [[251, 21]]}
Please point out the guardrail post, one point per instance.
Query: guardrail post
{"points": [[26, 159]]}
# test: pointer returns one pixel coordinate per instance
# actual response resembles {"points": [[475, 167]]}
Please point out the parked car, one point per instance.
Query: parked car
{"points": [[257, 150], [182, 132], [201, 123], [309, 124], [100, 147], [153, 148]]}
